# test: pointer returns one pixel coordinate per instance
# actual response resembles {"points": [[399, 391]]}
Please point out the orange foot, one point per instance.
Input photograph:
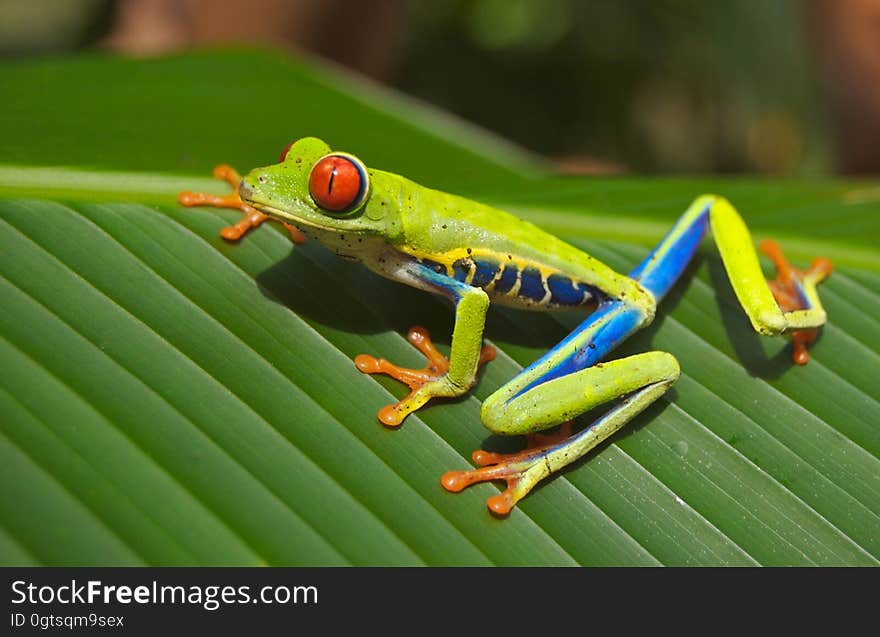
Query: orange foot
{"points": [[392, 415], [786, 288], [521, 470], [252, 217]]}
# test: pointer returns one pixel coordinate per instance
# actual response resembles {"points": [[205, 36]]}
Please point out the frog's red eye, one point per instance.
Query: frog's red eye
{"points": [[338, 183], [284, 152]]}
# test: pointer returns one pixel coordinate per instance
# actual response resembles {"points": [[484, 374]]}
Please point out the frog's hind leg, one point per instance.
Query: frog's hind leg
{"points": [[788, 305], [252, 217], [639, 380], [566, 382], [795, 289]]}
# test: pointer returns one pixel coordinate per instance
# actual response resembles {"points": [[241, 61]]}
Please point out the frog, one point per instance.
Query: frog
{"points": [[476, 255]]}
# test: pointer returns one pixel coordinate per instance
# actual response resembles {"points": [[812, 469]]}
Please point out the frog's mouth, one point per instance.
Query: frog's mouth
{"points": [[247, 196], [275, 213]]}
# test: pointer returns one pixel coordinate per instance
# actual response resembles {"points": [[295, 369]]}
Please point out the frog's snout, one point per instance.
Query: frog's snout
{"points": [[244, 190]]}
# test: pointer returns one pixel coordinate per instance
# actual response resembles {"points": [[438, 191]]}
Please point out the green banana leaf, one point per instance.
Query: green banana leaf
{"points": [[170, 398]]}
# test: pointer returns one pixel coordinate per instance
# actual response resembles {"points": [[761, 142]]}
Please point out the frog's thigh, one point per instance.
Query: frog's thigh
{"points": [[561, 399]]}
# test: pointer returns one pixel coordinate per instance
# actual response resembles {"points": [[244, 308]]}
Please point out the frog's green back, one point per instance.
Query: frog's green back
{"points": [[475, 242], [435, 223]]}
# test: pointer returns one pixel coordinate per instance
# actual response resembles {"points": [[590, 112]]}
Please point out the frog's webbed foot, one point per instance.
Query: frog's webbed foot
{"points": [[252, 217], [789, 288], [424, 384], [521, 470]]}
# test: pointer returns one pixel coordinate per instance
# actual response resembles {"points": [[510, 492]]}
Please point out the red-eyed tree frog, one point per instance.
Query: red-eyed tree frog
{"points": [[473, 254]]}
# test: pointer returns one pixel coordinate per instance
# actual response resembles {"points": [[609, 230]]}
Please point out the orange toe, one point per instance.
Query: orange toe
{"points": [[252, 217], [787, 290], [435, 368]]}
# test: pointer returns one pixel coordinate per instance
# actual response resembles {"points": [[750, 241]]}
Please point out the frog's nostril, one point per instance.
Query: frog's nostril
{"points": [[244, 190]]}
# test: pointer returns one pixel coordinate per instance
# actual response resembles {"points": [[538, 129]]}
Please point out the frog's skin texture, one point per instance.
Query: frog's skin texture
{"points": [[476, 255]]}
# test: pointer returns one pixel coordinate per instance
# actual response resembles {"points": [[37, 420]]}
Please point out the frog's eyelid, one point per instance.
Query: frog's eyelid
{"points": [[284, 152]]}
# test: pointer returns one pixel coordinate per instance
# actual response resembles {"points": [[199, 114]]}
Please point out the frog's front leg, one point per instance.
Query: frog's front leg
{"points": [[441, 377]]}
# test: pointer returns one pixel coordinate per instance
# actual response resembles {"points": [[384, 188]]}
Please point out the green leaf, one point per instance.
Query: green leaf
{"points": [[169, 398]]}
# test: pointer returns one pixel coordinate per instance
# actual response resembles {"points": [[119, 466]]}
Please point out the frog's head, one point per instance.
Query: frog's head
{"points": [[325, 194]]}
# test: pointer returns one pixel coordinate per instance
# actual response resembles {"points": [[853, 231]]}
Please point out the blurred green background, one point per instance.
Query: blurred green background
{"points": [[776, 87]]}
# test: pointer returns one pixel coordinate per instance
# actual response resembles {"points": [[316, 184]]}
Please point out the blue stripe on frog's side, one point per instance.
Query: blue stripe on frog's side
{"points": [[478, 271], [564, 291], [507, 280], [486, 269], [531, 285]]}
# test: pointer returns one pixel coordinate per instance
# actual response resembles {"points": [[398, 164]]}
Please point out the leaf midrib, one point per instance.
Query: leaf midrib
{"points": [[76, 184]]}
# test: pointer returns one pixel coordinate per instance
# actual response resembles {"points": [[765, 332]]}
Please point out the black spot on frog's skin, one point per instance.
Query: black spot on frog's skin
{"points": [[531, 284], [461, 268], [444, 226], [507, 279], [439, 268], [469, 251], [486, 269], [299, 160]]}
